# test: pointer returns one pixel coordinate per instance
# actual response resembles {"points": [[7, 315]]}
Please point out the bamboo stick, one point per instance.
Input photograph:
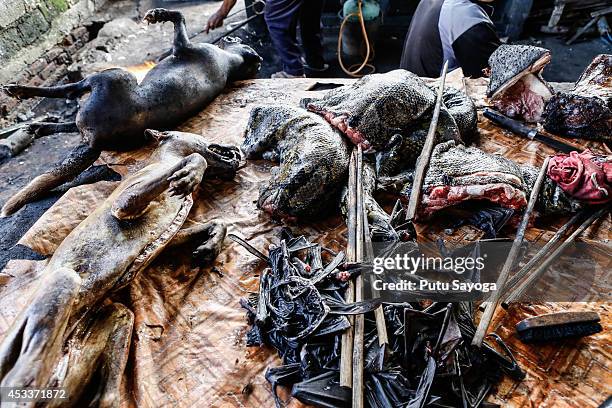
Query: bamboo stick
{"points": [[359, 319], [423, 160], [346, 353], [517, 277], [539, 271], [487, 316], [381, 326]]}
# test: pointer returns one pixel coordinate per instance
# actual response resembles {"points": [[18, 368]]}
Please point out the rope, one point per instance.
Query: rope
{"points": [[350, 71]]}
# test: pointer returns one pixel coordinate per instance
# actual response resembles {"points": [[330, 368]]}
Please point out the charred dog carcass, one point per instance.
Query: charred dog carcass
{"points": [[118, 109], [69, 315]]}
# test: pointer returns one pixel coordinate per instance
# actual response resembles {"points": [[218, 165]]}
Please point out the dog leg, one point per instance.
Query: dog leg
{"points": [[161, 15], [70, 91], [207, 237], [94, 372], [31, 348], [78, 160], [179, 179]]}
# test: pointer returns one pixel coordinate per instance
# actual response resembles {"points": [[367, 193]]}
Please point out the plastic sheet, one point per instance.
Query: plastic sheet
{"points": [[188, 347]]}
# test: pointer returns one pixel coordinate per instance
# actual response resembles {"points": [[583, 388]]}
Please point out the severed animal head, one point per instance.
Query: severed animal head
{"points": [[516, 87], [251, 60], [586, 111], [223, 160]]}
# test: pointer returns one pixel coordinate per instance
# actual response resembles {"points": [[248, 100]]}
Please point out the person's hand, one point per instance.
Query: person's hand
{"points": [[216, 20]]}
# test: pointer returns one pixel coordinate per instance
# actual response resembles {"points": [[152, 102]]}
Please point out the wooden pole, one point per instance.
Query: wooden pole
{"points": [[423, 160], [359, 319], [346, 353], [487, 316], [16, 143]]}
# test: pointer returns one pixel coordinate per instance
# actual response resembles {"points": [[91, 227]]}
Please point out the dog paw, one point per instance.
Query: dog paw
{"points": [[16, 91], [158, 15], [211, 246], [185, 180]]}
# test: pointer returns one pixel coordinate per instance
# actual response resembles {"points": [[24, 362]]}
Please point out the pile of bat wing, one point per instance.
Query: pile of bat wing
{"points": [[427, 358]]}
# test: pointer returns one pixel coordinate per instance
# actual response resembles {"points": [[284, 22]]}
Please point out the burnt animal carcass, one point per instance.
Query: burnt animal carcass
{"points": [[586, 111], [374, 109], [516, 87], [313, 159], [117, 109], [76, 337], [388, 114]]}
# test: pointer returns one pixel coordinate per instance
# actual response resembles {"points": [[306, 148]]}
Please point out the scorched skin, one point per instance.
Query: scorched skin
{"points": [[118, 109], [586, 111]]}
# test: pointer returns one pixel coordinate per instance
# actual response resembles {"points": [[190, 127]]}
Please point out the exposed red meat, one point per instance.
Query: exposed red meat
{"points": [[584, 176], [526, 99], [341, 123], [440, 197]]}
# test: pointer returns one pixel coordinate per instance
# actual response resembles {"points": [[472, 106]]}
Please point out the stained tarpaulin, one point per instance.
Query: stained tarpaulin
{"points": [[188, 346]]}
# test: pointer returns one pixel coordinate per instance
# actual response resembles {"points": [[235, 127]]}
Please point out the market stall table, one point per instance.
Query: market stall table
{"points": [[188, 347]]}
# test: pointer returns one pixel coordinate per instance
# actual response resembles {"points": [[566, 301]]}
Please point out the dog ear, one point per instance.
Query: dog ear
{"points": [[157, 135]]}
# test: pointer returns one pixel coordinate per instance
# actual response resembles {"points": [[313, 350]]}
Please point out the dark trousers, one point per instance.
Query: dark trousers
{"points": [[282, 18]]}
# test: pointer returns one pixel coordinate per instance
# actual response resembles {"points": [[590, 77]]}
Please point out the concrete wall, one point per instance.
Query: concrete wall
{"points": [[29, 28], [38, 39], [23, 22]]}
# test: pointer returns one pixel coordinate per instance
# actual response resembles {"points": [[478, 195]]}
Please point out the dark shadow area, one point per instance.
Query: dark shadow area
{"points": [[567, 62], [12, 228]]}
